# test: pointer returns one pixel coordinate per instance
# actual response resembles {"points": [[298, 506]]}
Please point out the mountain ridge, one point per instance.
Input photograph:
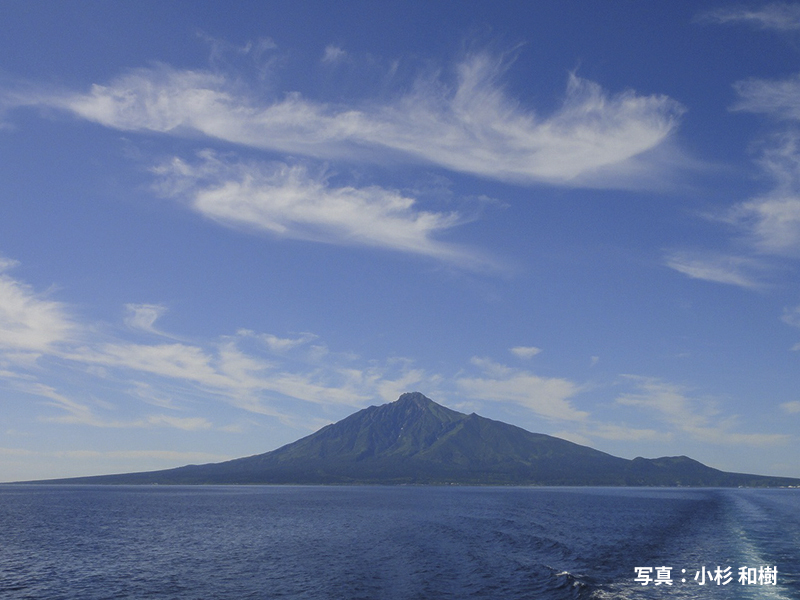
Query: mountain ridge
{"points": [[414, 440]]}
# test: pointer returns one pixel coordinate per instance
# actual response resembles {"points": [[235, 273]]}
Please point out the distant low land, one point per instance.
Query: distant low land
{"points": [[414, 440]]}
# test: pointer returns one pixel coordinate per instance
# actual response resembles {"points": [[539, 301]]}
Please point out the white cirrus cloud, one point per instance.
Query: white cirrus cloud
{"points": [[525, 351], [29, 322], [771, 222], [777, 98], [32, 326], [185, 423], [715, 267], [791, 316], [177, 361], [261, 373], [792, 407], [333, 54], [697, 417], [611, 431], [244, 380], [276, 343], [471, 125], [777, 15], [144, 316], [289, 201], [165, 455], [474, 127], [546, 396], [767, 225], [151, 395], [82, 414], [410, 379], [77, 413]]}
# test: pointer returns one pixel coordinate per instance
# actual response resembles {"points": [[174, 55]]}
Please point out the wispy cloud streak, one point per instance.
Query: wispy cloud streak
{"points": [[767, 225], [471, 126], [289, 201], [772, 220], [696, 417], [29, 322], [144, 316], [718, 268], [777, 16], [779, 99], [548, 397]]}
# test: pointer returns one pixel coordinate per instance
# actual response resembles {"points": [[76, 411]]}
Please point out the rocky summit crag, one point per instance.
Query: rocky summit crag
{"points": [[417, 441]]}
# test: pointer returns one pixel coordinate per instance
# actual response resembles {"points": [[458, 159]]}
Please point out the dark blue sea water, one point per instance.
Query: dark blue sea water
{"points": [[220, 543]]}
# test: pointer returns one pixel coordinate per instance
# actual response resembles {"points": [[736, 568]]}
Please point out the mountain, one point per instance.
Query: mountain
{"points": [[417, 441]]}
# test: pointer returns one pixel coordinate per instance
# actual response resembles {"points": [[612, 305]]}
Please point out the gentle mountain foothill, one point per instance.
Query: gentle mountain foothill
{"points": [[417, 441]]}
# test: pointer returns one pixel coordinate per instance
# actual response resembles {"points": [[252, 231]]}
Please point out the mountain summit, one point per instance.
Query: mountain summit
{"points": [[417, 441]]}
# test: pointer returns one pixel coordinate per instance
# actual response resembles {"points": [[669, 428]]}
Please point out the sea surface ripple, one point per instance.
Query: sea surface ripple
{"points": [[402, 542]]}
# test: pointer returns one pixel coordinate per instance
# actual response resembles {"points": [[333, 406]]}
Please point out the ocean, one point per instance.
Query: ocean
{"points": [[403, 542]]}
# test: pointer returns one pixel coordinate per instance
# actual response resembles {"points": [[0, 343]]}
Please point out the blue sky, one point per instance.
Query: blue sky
{"points": [[223, 227]]}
